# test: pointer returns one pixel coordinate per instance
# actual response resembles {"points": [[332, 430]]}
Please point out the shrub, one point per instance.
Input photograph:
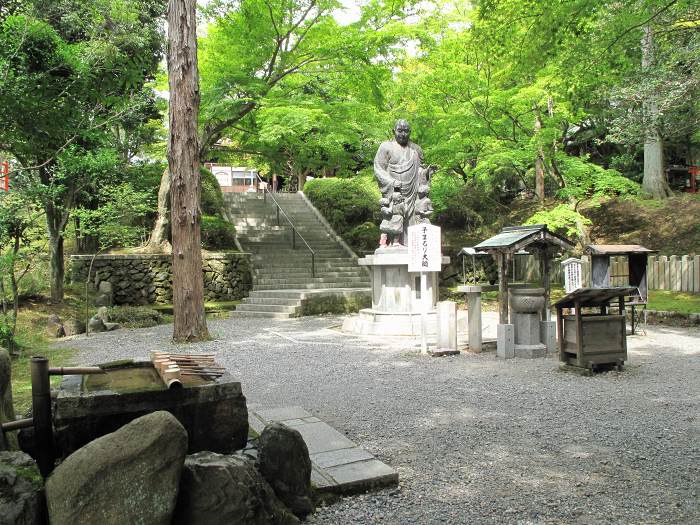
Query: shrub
{"points": [[217, 233], [562, 219], [346, 203], [443, 188], [469, 208], [364, 237], [212, 201], [134, 316]]}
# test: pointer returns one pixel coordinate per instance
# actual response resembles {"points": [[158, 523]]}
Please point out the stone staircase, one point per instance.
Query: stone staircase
{"points": [[282, 276]]}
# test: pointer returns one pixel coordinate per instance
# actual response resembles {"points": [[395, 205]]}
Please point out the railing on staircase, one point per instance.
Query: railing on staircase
{"points": [[262, 184]]}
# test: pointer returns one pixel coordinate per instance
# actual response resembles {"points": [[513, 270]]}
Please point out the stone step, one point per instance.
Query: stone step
{"points": [[272, 315], [306, 272], [280, 259], [272, 300], [275, 308], [306, 286], [338, 465], [296, 293], [309, 279]]}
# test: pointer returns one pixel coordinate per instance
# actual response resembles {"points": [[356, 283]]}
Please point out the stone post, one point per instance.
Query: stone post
{"points": [[446, 328]]}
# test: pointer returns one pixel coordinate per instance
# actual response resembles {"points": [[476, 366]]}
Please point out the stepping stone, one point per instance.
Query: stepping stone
{"points": [[338, 465]]}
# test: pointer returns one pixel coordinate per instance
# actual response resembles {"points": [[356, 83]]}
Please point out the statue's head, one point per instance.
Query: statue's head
{"points": [[402, 132]]}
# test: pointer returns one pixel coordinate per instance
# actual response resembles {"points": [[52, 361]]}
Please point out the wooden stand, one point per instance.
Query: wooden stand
{"points": [[587, 340]]}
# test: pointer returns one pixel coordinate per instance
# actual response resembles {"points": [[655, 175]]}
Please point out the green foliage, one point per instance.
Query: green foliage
{"points": [[444, 187], [217, 233], [212, 200], [585, 180], [134, 316], [120, 218], [364, 237], [562, 219], [345, 203]]}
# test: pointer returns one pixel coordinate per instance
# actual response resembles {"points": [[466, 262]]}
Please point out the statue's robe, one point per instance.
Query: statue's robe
{"points": [[403, 163]]}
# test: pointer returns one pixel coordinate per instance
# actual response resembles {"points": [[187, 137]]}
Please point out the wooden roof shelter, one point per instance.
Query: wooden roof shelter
{"points": [[534, 238], [636, 276]]}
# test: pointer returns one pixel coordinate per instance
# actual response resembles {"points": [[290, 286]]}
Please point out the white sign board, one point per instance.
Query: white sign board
{"points": [[424, 248], [222, 174], [573, 278]]}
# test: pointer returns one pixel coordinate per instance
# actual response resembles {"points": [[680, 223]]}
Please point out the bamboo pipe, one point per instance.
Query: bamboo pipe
{"points": [[75, 370]]}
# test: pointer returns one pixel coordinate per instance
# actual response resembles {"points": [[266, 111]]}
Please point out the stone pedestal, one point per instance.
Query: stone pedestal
{"points": [[446, 328], [473, 292], [396, 296], [505, 345], [526, 304]]}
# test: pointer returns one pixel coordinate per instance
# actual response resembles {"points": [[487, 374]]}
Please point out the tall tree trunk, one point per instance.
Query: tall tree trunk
{"points": [[55, 224], [183, 78], [539, 160], [654, 181], [159, 241]]}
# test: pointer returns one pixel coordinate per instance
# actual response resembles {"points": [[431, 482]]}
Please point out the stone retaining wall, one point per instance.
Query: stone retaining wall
{"points": [[147, 279]]}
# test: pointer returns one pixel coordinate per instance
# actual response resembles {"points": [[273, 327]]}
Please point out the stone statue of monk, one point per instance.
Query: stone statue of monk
{"points": [[398, 166]]}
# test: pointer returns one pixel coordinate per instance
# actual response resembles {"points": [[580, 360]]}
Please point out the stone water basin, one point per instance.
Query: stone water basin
{"points": [[212, 410]]}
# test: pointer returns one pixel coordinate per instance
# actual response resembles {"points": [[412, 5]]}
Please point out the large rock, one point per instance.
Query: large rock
{"points": [[73, 327], [21, 499], [128, 476], [7, 412], [283, 459], [95, 325], [54, 328], [217, 489]]}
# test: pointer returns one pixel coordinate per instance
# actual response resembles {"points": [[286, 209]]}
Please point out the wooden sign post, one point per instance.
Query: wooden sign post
{"points": [[424, 255]]}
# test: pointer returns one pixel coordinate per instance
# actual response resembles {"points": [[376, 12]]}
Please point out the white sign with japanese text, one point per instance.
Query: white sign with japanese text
{"points": [[424, 248]]}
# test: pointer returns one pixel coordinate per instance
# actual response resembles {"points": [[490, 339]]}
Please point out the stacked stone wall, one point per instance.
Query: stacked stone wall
{"points": [[147, 279]]}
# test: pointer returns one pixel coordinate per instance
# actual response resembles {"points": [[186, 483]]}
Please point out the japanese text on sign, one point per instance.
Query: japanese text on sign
{"points": [[424, 248]]}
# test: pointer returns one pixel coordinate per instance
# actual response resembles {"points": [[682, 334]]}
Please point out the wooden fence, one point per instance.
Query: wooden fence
{"points": [[679, 273]]}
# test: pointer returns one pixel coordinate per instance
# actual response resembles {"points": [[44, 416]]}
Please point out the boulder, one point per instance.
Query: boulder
{"points": [[218, 489], [104, 299], [105, 287], [54, 328], [21, 498], [128, 476], [283, 460], [7, 412], [73, 327], [95, 324]]}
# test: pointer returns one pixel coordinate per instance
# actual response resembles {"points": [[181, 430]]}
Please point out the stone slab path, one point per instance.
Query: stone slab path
{"points": [[338, 464]]}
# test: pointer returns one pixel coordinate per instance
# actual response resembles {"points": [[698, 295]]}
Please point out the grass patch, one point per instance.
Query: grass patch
{"points": [[135, 316], [681, 302], [209, 308]]}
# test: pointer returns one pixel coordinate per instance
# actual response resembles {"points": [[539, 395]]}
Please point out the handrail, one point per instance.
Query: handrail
{"points": [[294, 228]]}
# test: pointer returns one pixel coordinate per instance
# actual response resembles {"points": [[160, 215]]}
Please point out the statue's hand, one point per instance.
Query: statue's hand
{"points": [[397, 184]]}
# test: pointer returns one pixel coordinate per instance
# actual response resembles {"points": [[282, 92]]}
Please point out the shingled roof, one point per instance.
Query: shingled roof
{"points": [[514, 238]]}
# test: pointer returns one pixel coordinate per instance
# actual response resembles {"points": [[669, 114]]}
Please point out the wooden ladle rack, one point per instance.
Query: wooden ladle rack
{"points": [[172, 367]]}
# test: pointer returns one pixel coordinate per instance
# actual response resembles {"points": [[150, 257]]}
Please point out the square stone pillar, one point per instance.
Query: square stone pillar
{"points": [[548, 335], [505, 346], [446, 328]]}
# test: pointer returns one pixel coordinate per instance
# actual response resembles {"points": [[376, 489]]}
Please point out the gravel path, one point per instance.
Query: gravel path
{"points": [[475, 439]]}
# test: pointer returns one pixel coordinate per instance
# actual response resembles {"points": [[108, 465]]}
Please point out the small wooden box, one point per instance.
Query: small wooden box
{"points": [[603, 340]]}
